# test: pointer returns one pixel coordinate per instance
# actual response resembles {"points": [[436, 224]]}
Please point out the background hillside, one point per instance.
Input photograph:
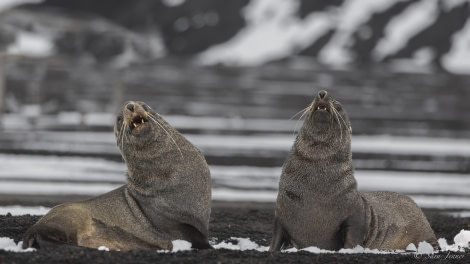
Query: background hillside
{"points": [[408, 35]]}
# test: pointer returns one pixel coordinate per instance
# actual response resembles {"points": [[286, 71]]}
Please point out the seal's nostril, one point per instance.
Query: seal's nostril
{"points": [[130, 107], [322, 94]]}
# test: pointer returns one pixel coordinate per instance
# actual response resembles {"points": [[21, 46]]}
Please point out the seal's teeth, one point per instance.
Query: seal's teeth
{"points": [[142, 120], [134, 124]]}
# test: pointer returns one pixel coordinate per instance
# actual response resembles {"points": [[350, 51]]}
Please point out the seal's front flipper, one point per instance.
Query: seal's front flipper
{"points": [[195, 237], [353, 232], [280, 239]]}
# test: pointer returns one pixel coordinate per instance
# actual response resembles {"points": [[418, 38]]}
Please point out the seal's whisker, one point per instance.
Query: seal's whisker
{"points": [[344, 122], [301, 111], [304, 112], [124, 136], [339, 119], [121, 138], [335, 117], [166, 131]]}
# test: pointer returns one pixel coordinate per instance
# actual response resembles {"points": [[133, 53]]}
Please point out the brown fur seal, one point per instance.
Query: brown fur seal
{"points": [[318, 203], [167, 197]]}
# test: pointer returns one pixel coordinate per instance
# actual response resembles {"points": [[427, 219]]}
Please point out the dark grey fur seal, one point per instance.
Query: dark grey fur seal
{"points": [[167, 197], [318, 203]]}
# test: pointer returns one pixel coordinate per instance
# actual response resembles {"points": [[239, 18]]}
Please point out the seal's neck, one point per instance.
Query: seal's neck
{"points": [[323, 162], [323, 147], [153, 169]]}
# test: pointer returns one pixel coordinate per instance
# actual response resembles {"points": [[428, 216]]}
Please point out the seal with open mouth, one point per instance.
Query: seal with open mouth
{"points": [[318, 202], [167, 197]]}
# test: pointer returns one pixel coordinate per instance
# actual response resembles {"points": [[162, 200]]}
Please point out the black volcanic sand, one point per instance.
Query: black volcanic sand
{"points": [[245, 220]]}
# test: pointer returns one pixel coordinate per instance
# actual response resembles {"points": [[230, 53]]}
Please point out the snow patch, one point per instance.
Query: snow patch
{"points": [[242, 245], [64, 188], [308, 249], [441, 201], [456, 61], [462, 239], [24, 210], [181, 245], [405, 25], [103, 248], [450, 4], [350, 17], [32, 168], [225, 194], [355, 250], [425, 248], [412, 248], [272, 32], [461, 243], [8, 244], [7, 4], [459, 214], [173, 3], [30, 44]]}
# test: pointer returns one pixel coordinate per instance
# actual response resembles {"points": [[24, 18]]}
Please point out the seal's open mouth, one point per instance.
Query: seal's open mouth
{"points": [[137, 121], [322, 106]]}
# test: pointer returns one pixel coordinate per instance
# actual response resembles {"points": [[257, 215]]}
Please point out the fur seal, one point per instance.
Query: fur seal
{"points": [[167, 197], [318, 203]]}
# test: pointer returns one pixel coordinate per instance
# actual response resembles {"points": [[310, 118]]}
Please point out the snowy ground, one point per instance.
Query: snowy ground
{"points": [[461, 244], [461, 241]]}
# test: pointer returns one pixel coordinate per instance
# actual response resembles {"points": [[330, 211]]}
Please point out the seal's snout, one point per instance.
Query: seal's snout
{"points": [[321, 101], [136, 115]]}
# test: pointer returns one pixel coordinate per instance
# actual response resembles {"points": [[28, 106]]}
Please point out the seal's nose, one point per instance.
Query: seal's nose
{"points": [[130, 106], [322, 94]]}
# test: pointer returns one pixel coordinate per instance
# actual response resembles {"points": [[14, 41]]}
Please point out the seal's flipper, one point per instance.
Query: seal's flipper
{"points": [[116, 238], [353, 232], [195, 237], [44, 236], [280, 239]]}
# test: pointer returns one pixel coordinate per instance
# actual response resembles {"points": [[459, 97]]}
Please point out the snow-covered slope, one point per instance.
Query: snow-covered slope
{"points": [[410, 35], [420, 33]]}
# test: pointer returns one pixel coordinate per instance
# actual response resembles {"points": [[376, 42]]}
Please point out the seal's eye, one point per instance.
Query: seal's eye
{"points": [[338, 107], [119, 118], [145, 107]]}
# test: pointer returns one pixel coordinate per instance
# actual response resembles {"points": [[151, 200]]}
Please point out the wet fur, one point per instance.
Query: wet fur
{"points": [[167, 197], [318, 203]]}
